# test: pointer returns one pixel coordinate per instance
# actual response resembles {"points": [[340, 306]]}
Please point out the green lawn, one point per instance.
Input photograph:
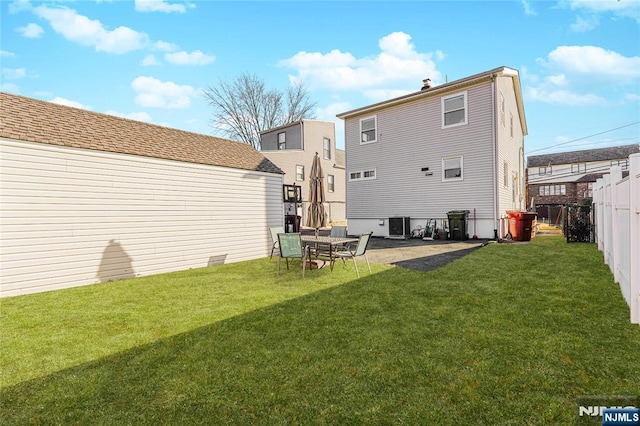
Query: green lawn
{"points": [[510, 334]]}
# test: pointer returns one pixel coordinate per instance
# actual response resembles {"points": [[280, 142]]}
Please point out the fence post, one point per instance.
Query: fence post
{"points": [[634, 234], [599, 212], [616, 177]]}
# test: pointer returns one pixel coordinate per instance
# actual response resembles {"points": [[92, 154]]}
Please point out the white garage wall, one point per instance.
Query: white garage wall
{"points": [[73, 217]]}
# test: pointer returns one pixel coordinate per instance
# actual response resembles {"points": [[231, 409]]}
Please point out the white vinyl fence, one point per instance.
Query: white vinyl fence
{"points": [[617, 207]]}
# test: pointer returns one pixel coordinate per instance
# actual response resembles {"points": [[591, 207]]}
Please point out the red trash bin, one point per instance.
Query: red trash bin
{"points": [[521, 225]]}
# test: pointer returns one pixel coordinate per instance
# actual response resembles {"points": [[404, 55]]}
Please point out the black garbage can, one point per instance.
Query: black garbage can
{"points": [[458, 220]]}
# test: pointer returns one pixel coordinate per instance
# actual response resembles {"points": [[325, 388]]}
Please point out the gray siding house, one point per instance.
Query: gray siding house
{"points": [[453, 147], [292, 148], [88, 198]]}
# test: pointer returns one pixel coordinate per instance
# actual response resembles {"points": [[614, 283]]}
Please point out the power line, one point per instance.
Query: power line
{"points": [[584, 137]]}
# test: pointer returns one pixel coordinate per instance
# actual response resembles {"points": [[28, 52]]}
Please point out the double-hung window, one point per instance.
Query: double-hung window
{"points": [[331, 184], [299, 173], [326, 148], [454, 110], [452, 168], [368, 129], [282, 141]]}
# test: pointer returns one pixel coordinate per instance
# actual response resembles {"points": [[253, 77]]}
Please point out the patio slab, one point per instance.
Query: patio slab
{"points": [[419, 254]]}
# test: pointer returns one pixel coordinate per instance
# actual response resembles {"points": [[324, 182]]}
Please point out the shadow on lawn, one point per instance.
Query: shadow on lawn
{"points": [[392, 347], [326, 355]]}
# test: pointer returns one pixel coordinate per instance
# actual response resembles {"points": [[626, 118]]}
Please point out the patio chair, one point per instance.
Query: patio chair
{"points": [[360, 250], [290, 246], [338, 231], [274, 238]]}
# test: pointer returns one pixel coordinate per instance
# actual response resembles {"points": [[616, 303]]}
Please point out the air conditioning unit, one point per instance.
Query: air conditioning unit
{"points": [[399, 226]]}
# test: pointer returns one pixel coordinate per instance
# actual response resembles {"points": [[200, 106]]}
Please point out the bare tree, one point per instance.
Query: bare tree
{"points": [[244, 107]]}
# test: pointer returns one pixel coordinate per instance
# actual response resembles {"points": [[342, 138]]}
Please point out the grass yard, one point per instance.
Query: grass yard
{"points": [[510, 334]]}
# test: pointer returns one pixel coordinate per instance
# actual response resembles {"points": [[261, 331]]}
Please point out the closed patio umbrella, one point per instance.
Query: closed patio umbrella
{"points": [[316, 216]]}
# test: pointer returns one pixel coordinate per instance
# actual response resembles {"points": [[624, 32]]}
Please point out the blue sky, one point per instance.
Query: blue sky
{"points": [[148, 60]]}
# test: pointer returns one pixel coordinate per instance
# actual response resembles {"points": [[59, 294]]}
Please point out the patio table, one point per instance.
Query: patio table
{"points": [[330, 245]]}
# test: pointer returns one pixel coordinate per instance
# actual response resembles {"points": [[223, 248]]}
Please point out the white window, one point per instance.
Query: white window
{"points": [[553, 190], [454, 110], [544, 170], [505, 178], [511, 124], [327, 148], [502, 109], [368, 129], [578, 168], [362, 174], [299, 173], [331, 186], [282, 140], [452, 168]]}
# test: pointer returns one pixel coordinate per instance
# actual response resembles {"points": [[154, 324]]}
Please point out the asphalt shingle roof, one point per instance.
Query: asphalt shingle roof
{"points": [[32, 120], [584, 156]]}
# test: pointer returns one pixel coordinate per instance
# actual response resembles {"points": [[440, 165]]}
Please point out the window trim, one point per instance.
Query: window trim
{"points": [[465, 108], [457, 178], [331, 183], [361, 174], [282, 145], [375, 129], [326, 151], [298, 173]]}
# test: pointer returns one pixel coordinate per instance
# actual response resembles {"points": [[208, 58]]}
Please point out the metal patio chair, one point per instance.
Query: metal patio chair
{"points": [[360, 250]]}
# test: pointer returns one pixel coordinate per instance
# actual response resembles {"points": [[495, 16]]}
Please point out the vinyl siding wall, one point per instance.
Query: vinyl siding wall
{"points": [[410, 137], [74, 217], [512, 196]]}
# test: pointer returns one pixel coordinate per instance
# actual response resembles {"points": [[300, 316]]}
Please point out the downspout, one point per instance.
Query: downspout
{"points": [[495, 160]]}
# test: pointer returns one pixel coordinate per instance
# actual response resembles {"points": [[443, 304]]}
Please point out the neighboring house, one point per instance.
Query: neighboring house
{"points": [[88, 198], [454, 147], [292, 148], [568, 177]]}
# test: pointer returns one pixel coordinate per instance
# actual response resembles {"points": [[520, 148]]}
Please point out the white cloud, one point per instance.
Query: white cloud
{"points": [[63, 101], [528, 10], [162, 94], [594, 61], [398, 67], [193, 58], [582, 75], [31, 30], [89, 32], [7, 54], [161, 6], [138, 116], [558, 80], [633, 97], [9, 88], [14, 73], [584, 24], [330, 111], [621, 8], [164, 46], [149, 60], [563, 97], [19, 6]]}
